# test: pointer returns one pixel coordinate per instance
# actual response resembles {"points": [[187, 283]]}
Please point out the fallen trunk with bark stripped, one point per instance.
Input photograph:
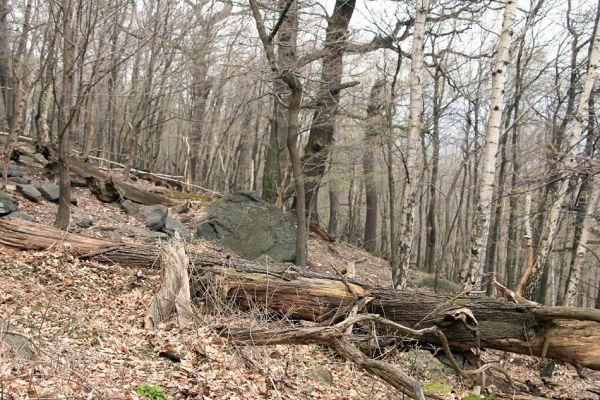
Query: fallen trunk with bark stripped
{"points": [[568, 334], [109, 188]]}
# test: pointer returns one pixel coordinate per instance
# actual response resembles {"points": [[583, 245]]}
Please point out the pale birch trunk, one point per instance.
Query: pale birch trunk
{"points": [[414, 131], [582, 112], [481, 225], [569, 165], [588, 222]]}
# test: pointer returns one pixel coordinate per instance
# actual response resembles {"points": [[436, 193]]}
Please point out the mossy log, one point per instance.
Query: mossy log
{"points": [[569, 334]]}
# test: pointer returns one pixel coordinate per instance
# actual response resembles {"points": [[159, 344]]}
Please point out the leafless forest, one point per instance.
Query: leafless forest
{"points": [[455, 137]]}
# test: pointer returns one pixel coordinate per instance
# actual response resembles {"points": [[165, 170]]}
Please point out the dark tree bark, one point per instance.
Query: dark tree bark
{"points": [[375, 124], [322, 129], [431, 227], [65, 117], [334, 206], [276, 175], [293, 82]]}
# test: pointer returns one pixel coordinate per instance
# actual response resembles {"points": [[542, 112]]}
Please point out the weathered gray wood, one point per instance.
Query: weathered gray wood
{"points": [[174, 292]]}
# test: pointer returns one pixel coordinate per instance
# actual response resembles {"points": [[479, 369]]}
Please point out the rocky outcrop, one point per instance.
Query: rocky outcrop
{"points": [[250, 227]]}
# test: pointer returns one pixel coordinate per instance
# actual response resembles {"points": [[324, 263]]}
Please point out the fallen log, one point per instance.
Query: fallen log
{"points": [[562, 333], [107, 184]]}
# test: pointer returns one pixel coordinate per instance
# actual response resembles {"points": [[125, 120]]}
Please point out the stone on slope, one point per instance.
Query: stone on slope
{"points": [[83, 221], [30, 193], [130, 207], [21, 180], [250, 227], [154, 217], [183, 208], [8, 204], [134, 231], [172, 225], [51, 192], [23, 216], [14, 171]]}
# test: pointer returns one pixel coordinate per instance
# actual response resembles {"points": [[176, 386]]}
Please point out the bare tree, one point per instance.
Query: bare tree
{"points": [[292, 80], [473, 271], [414, 131]]}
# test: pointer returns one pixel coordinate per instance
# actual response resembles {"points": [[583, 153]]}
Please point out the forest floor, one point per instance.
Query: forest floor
{"points": [[86, 321]]}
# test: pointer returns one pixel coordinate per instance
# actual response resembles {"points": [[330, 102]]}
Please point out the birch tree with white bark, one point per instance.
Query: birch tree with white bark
{"points": [[473, 271], [580, 117], [414, 131]]}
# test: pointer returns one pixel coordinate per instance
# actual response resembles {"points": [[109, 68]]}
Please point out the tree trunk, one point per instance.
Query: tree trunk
{"points": [[588, 210], [275, 175], [568, 165], [174, 293], [571, 333], [334, 206], [481, 223], [414, 131], [65, 117], [322, 129], [431, 229], [291, 79], [375, 123]]}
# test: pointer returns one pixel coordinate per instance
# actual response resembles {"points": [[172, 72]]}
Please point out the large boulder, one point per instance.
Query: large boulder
{"points": [[154, 217], [8, 204], [250, 227]]}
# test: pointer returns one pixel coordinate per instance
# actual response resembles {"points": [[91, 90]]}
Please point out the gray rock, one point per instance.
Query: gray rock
{"points": [[14, 171], [307, 391], [78, 182], [51, 192], [182, 209], [155, 216], [20, 180], [421, 362], [130, 207], [19, 344], [8, 204], [133, 231], [250, 227], [23, 216], [30, 193], [172, 225], [322, 375], [114, 235], [36, 160], [83, 221]]}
